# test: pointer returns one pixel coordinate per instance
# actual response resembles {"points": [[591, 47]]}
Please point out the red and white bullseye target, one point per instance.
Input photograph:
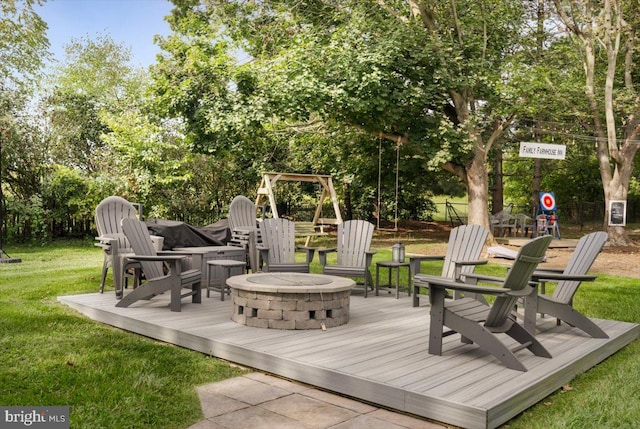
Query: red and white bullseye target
{"points": [[547, 201]]}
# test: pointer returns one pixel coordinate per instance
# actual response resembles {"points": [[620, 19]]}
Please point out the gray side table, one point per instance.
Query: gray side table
{"points": [[227, 266], [201, 255], [393, 265]]}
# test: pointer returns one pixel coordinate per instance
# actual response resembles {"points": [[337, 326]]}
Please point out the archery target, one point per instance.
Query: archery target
{"points": [[547, 201]]}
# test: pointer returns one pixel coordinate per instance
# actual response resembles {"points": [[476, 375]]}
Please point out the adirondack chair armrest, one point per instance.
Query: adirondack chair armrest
{"points": [[548, 276], [309, 251], [104, 246], [305, 248], [544, 271], [322, 254], [264, 257], [550, 270], [172, 252], [442, 283], [478, 262], [160, 258], [108, 244], [243, 229], [416, 257], [368, 256], [484, 278], [174, 261], [264, 251], [243, 232]]}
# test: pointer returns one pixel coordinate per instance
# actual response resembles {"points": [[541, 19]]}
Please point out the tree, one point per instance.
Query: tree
{"points": [[23, 42], [94, 78], [606, 34], [428, 74], [192, 84], [23, 46]]}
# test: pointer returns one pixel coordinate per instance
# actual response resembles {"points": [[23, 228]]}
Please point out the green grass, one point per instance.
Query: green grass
{"points": [[51, 355], [460, 204], [601, 397]]}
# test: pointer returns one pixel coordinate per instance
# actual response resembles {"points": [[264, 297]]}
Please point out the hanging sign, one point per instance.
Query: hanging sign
{"points": [[617, 213], [547, 201], [542, 150]]}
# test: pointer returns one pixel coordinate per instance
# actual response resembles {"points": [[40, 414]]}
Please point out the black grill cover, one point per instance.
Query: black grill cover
{"points": [[180, 234]]}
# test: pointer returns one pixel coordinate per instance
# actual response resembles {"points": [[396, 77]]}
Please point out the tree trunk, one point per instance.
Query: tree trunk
{"points": [[478, 191], [348, 208], [605, 28], [535, 186], [616, 190], [497, 199]]}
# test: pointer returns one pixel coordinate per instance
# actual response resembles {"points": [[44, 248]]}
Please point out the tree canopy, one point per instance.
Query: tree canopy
{"points": [[358, 90], [427, 75]]}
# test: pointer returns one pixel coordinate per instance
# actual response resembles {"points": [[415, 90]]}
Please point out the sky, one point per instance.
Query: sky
{"points": [[129, 22]]}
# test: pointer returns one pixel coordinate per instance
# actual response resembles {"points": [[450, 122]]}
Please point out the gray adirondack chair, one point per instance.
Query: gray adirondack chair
{"points": [[244, 229], [503, 221], [157, 281], [353, 252], [278, 248], [111, 239], [463, 255], [478, 322], [524, 225], [560, 304]]}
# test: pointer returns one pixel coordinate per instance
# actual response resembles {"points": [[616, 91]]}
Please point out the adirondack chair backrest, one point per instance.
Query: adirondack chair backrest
{"points": [[587, 249], [502, 215], [279, 236], [465, 244], [242, 213], [518, 278], [108, 217], [138, 235], [354, 239]]}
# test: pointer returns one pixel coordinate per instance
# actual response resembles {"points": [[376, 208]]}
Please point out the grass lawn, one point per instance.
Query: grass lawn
{"points": [[51, 355], [110, 378], [460, 205]]}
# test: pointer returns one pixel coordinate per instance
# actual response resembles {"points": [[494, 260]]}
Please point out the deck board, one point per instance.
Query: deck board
{"points": [[380, 356]]}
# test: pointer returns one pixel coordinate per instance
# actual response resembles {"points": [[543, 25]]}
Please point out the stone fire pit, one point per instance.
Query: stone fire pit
{"points": [[290, 300]]}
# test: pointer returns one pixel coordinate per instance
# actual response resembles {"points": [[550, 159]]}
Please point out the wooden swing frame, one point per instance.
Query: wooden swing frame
{"points": [[268, 183]]}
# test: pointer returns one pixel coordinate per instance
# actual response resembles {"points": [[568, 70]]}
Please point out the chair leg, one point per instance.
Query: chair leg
{"points": [[176, 296], [103, 279], [484, 338], [146, 291], [574, 318], [366, 283], [436, 297], [489, 342], [521, 335], [196, 298]]}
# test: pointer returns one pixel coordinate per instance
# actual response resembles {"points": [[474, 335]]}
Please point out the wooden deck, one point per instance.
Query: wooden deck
{"points": [[380, 356]]}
